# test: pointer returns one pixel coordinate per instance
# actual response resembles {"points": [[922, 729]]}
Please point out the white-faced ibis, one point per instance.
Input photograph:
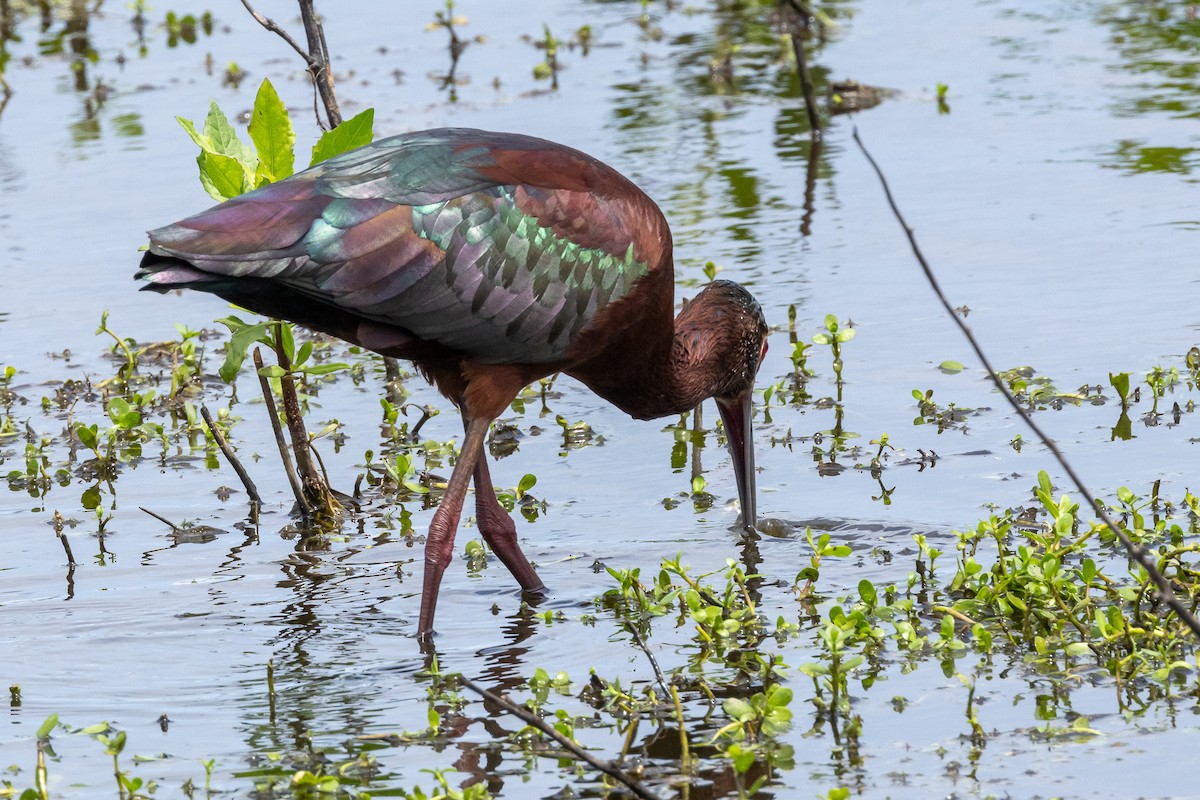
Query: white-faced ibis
{"points": [[490, 260]]}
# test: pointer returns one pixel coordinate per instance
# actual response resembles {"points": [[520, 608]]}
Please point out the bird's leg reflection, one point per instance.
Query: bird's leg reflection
{"points": [[502, 673]]}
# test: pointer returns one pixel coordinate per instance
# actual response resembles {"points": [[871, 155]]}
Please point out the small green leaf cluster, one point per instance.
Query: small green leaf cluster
{"points": [[821, 547], [930, 413], [229, 167], [279, 336], [442, 789]]}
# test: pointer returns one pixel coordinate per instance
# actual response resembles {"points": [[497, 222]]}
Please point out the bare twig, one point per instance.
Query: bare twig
{"points": [[62, 536], [810, 100], [270, 25], [318, 62], [532, 719], [658, 673], [284, 455], [314, 484], [316, 58], [160, 518], [1136, 552], [219, 438], [802, 14]]}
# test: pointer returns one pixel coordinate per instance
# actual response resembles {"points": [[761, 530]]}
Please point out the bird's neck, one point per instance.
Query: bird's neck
{"points": [[659, 373]]}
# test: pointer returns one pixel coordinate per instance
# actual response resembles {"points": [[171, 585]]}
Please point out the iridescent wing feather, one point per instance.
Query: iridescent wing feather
{"points": [[497, 246]]}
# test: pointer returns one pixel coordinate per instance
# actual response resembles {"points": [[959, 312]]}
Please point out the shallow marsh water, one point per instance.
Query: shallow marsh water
{"points": [[1056, 199]]}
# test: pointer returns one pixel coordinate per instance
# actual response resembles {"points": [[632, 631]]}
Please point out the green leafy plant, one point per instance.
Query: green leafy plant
{"points": [[229, 167]]}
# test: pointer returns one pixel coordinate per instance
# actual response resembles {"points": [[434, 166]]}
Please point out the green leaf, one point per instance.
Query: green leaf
{"points": [[1078, 649], [222, 176], [87, 435], [91, 498], [352, 133], [866, 590], [326, 368], [743, 759], [235, 351], [272, 371], [223, 137], [738, 709], [305, 351], [951, 367], [527, 482], [285, 334], [272, 134], [50, 724], [202, 141], [779, 696]]}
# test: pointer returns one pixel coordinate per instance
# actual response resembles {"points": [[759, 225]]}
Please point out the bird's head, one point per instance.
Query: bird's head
{"points": [[730, 335]]}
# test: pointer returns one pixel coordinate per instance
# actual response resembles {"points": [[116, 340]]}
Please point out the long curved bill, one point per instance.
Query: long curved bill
{"points": [[739, 434]]}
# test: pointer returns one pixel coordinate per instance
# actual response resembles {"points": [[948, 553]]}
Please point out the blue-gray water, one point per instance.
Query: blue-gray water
{"points": [[1057, 201]]}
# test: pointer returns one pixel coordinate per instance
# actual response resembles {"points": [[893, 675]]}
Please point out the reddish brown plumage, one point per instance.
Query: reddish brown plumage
{"points": [[490, 260]]}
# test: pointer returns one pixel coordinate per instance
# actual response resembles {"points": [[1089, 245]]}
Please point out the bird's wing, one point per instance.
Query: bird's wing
{"points": [[499, 246]]}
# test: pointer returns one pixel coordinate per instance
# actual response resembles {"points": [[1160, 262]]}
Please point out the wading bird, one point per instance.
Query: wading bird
{"points": [[490, 260]]}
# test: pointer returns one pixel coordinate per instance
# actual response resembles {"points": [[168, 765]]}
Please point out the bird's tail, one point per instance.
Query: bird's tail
{"points": [[164, 273]]}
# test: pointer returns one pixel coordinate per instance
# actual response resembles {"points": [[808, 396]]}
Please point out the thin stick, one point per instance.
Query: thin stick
{"points": [[316, 58], [529, 718], [292, 416], [658, 673], [230, 456], [318, 62], [62, 535], [810, 100], [270, 25], [160, 518], [1136, 552], [314, 486], [286, 457], [685, 757]]}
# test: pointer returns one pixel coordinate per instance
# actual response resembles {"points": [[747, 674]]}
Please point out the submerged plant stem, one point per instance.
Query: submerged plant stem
{"points": [[234, 461], [284, 455], [533, 720]]}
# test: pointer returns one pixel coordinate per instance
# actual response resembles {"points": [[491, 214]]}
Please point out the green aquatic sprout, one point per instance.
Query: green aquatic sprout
{"points": [[942, 90], [576, 434], [1161, 380], [821, 547], [127, 369], [835, 336], [519, 495], [402, 472], [547, 69]]}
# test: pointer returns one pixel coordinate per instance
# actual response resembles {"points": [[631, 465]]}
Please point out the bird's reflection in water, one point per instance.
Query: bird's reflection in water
{"points": [[501, 672]]}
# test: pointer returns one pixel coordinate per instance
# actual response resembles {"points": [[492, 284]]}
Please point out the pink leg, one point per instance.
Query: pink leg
{"points": [[499, 531], [439, 545]]}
